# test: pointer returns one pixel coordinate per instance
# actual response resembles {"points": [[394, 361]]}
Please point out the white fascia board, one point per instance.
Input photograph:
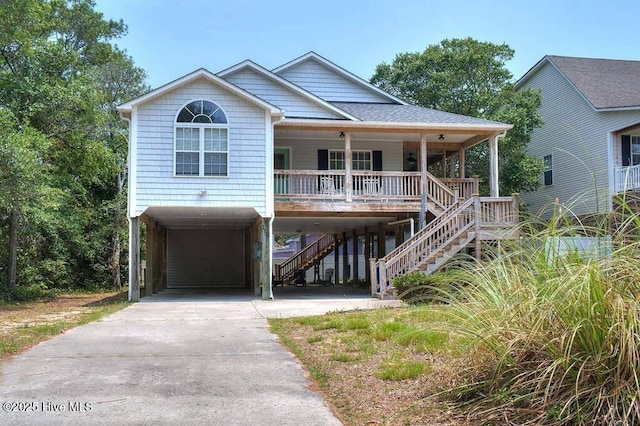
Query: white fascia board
{"points": [[348, 74], [530, 73], [201, 73], [547, 60], [358, 125], [286, 83], [628, 108]]}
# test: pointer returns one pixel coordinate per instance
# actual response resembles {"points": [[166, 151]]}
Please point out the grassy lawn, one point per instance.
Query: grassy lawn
{"points": [[377, 367], [24, 324]]}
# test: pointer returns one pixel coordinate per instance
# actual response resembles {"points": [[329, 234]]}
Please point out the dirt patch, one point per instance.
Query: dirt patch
{"points": [[65, 306], [26, 323]]}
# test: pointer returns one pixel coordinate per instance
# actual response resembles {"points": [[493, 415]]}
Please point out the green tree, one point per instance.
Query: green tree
{"points": [[118, 80], [469, 77], [61, 78], [23, 179]]}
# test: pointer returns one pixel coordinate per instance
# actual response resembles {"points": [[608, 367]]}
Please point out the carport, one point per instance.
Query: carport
{"points": [[202, 247]]}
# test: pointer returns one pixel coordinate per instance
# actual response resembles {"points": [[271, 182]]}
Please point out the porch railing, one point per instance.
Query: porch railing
{"points": [[367, 185], [322, 184], [467, 186], [499, 211], [626, 178]]}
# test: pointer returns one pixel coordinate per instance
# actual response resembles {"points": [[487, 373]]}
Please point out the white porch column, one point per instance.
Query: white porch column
{"points": [[134, 259], [423, 179], [493, 166], [348, 179]]}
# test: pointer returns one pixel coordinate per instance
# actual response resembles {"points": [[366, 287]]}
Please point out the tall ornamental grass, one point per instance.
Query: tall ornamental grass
{"points": [[555, 334]]}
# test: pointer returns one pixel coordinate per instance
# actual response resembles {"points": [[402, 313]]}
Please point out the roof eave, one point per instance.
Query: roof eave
{"points": [[620, 108], [531, 71], [199, 73], [539, 65], [489, 128]]}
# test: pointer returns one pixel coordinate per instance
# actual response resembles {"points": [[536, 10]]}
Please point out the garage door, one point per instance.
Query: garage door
{"points": [[205, 258]]}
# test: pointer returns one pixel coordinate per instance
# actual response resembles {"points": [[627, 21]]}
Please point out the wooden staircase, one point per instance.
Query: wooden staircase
{"points": [[305, 258], [452, 230]]}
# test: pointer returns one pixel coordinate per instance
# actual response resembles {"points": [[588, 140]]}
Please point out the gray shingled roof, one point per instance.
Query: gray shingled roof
{"points": [[606, 83], [405, 114]]}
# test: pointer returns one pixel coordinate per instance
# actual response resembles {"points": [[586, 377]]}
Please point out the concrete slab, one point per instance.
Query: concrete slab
{"points": [[186, 358]]}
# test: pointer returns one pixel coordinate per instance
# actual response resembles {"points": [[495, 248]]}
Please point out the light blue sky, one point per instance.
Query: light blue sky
{"points": [[169, 38]]}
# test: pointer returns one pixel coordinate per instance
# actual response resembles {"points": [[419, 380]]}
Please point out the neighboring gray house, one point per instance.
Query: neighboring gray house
{"points": [[219, 163], [590, 140]]}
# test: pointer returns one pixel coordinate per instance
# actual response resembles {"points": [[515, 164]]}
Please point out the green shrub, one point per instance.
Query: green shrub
{"points": [[417, 287], [31, 292]]}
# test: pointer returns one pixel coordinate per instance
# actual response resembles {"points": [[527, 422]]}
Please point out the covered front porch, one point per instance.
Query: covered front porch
{"points": [[398, 173], [352, 167]]}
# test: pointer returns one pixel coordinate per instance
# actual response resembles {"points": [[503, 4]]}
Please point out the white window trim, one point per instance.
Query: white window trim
{"points": [[201, 151], [353, 151]]}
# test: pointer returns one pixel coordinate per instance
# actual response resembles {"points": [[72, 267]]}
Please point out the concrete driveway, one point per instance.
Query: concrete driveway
{"points": [[175, 358]]}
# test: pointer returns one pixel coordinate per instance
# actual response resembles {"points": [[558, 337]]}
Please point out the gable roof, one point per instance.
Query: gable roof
{"points": [[313, 56], [604, 83], [393, 113], [283, 82], [193, 76]]}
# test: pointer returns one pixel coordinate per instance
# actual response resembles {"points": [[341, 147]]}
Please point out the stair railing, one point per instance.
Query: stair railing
{"points": [[304, 258], [439, 193], [421, 248]]}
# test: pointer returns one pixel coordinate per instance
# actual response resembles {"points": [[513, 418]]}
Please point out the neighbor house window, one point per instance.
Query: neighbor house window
{"points": [[547, 170], [635, 150], [201, 140], [360, 160]]}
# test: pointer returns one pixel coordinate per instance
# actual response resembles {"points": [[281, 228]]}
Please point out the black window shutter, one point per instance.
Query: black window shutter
{"points": [[626, 150], [377, 161], [323, 159]]}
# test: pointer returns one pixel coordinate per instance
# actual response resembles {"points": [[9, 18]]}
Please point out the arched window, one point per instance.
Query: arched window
{"points": [[201, 136]]}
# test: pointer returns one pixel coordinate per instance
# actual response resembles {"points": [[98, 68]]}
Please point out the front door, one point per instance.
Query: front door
{"points": [[281, 161]]}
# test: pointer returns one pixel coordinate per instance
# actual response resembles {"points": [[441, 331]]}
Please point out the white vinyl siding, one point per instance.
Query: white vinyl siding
{"points": [[329, 85], [304, 152], [245, 185], [294, 105], [205, 258], [577, 138]]}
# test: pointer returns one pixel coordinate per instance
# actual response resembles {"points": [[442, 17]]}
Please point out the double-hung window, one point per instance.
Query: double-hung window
{"points": [[360, 160], [201, 140]]}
